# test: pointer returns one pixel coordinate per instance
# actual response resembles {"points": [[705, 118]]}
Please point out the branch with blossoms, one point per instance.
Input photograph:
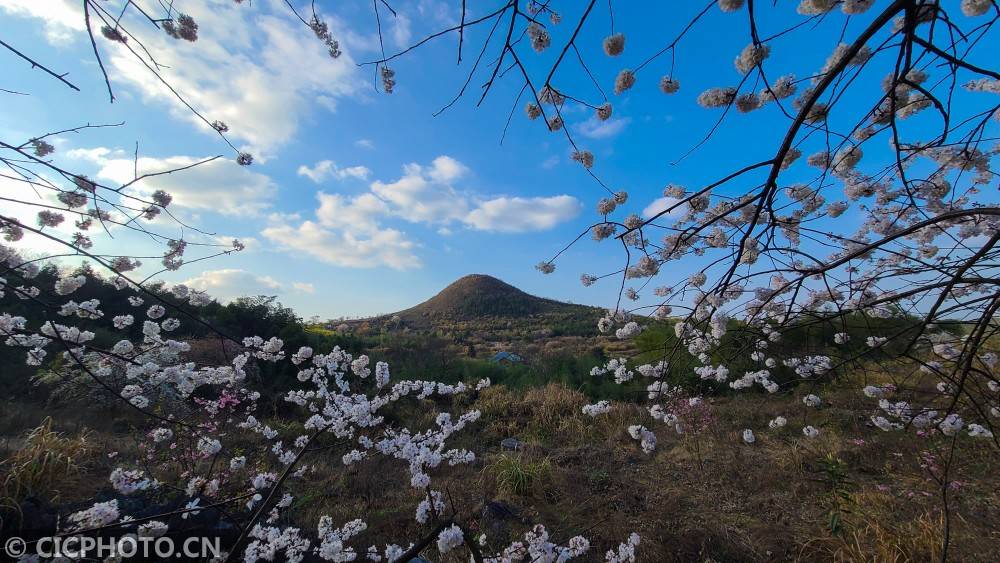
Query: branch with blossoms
{"points": [[120, 27], [921, 267], [201, 408], [914, 287]]}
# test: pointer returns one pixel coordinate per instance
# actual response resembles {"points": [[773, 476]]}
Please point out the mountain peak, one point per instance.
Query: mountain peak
{"points": [[479, 295], [481, 283]]}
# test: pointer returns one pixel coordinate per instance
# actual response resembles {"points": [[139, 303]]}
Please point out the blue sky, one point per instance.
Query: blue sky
{"points": [[361, 202]]}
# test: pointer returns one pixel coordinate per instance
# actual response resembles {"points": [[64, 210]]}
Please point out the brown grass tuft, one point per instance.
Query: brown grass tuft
{"points": [[46, 465]]}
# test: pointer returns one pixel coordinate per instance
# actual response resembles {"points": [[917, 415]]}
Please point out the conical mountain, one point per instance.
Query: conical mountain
{"points": [[477, 296]]}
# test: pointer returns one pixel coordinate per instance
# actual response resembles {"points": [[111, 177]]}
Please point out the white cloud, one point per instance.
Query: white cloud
{"points": [[258, 73], [22, 202], [304, 287], [349, 230], [594, 128], [221, 185], [259, 76], [662, 204], [518, 214], [360, 213], [365, 143], [424, 194], [442, 13], [401, 30], [221, 190], [387, 247], [326, 169], [427, 194], [446, 169], [63, 19], [228, 284], [250, 244], [354, 42], [96, 154]]}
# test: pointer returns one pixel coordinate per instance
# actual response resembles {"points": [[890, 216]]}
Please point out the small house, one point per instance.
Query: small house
{"points": [[504, 356]]}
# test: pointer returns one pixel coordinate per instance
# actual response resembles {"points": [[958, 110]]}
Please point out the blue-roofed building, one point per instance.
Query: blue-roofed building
{"points": [[503, 356]]}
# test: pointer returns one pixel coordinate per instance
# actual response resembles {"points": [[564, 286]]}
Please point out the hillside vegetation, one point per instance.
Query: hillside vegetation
{"points": [[854, 494]]}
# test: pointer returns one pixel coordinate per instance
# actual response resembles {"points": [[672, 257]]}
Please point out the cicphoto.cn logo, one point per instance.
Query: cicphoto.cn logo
{"points": [[126, 547]]}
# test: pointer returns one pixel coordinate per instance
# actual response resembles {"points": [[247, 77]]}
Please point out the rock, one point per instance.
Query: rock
{"points": [[500, 510], [496, 517], [511, 444]]}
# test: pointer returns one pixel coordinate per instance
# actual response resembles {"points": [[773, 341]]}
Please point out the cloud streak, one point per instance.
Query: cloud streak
{"points": [[386, 247], [220, 186], [230, 283], [326, 169], [238, 71], [350, 231], [594, 128]]}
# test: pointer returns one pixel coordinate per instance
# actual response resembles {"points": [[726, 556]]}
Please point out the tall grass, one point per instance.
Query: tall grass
{"points": [[516, 475], [45, 466]]}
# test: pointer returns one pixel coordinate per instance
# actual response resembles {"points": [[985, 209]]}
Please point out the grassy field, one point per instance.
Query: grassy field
{"points": [[853, 494]]}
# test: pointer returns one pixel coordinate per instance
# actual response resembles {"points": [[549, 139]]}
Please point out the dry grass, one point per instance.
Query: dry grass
{"points": [[537, 413], [785, 498], [516, 474], [46, 466], [772, 501], [876, 533]]}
